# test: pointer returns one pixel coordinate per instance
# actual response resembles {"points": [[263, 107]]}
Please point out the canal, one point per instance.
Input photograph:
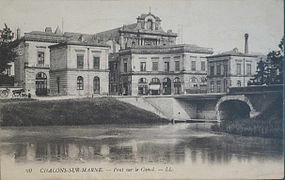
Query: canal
{"points": [[128, 151]]}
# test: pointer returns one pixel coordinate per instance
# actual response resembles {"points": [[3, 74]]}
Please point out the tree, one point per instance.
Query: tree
{"points": [[261, 76], [275, 60], [7, 54], [271, 70]]}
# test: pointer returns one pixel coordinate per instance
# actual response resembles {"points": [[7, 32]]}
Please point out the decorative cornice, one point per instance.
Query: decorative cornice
{"points": [[170, 49], [75, 69]]}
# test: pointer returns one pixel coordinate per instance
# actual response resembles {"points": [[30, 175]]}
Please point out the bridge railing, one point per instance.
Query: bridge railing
{"points": [[256, 89], [196, 91]]}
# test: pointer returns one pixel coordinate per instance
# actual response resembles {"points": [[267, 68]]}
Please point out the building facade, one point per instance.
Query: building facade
{"points": [[79, 68], [32, 64], [163, 70], [147, 31], [230, 69]]}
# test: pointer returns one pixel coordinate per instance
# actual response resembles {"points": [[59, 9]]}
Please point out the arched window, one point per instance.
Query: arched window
{"points": [[177, 85], [149, 24], [238, 83], [96, 85], [167, 86], [142, 80], [80, 83], [155, 81], [41, 84], [142, 86]]}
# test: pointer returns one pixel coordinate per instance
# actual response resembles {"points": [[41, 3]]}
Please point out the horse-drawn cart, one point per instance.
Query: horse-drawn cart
{"points": [[6, 92]]}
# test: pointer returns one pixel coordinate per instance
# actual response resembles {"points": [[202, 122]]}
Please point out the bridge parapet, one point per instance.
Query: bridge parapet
{"points": [[256, 89]]}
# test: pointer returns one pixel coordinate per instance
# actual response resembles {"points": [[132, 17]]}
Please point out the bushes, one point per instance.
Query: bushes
{"points": [[75, 112]]}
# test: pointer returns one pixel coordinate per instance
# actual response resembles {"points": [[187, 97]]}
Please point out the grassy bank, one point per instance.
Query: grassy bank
{"points": [[268, 123], [74, 112]]}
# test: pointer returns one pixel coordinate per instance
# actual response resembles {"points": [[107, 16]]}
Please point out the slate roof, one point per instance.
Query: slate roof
{"points": [[168, 49], [233, 52]]}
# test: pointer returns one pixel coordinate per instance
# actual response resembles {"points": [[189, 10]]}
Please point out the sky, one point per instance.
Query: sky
{"points": [[217, 24]]}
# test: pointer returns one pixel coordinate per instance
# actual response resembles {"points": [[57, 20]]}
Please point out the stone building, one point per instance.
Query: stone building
{"points": [[33, 62], [147, 31], [146, 60], [163, 70], [32, 66], [79, 68], [230, 69]]}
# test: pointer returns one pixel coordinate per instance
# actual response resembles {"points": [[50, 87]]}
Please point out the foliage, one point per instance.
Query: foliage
{"points": [[271, 70], [261, 76], [7, 54]]}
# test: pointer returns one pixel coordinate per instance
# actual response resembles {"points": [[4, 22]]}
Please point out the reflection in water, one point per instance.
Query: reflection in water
{"points": [[146, 144], [191, 151]]}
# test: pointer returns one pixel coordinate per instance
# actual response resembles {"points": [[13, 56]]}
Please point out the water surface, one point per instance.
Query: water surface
{"points": [[128, 151]]}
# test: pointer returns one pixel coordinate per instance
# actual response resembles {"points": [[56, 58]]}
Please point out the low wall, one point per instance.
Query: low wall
{"points": [[170, 107]]}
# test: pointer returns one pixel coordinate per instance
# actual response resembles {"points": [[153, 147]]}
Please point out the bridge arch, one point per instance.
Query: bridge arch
{"points": [[241, 101]]}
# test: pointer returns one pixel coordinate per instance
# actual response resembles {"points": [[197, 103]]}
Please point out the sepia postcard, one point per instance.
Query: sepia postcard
{"points": [[141, 89]]}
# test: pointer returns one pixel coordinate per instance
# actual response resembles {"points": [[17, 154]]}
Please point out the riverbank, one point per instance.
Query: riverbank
{"points": [[101, 110], [267, 124]]}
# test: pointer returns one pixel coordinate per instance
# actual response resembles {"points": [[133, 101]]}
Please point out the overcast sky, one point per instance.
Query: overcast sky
{"points": [[218, 24]]}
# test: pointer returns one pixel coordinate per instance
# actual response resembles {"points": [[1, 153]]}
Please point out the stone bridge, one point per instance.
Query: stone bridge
{"points": [[237, 102]]}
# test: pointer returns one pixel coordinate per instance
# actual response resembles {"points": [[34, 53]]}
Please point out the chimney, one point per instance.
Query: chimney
{"points": [[246, 43], [18, 33]]}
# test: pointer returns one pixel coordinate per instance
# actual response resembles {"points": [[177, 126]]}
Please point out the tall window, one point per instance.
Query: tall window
{"points": [[166, 66], [225, 69], [143, 66], [57, 82], [238, 69], [80, 58], [149, 24], [238, 83], [218, 69], [155, 66], [212, 84], [125, 67], [80, 84], [177, 66], [218, 86], [225, 85], [212, 68], [193, 65], [41, 57], [203, 65], [96, 62], [248, 69]]}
